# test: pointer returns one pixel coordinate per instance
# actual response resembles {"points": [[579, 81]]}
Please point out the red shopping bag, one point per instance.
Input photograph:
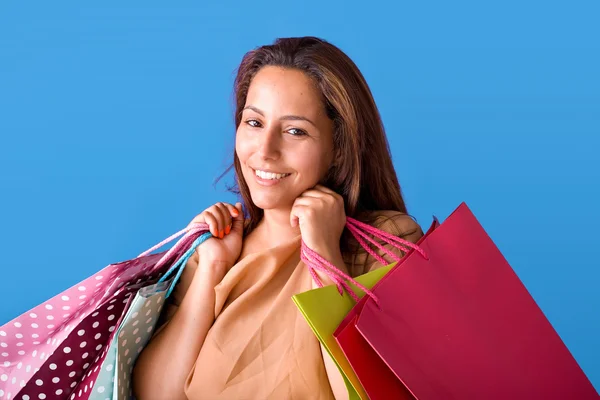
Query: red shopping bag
{"points": [[377, 379], [458, 324], [47, 352]]}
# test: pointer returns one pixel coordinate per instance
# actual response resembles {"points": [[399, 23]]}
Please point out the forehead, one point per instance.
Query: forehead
{"points": [[275, 89]]}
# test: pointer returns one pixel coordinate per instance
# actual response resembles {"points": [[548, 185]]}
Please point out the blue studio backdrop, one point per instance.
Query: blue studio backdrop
{"points": [[116, 119]]}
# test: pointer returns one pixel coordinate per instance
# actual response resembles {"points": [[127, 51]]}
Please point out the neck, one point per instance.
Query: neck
{"points": [[276, 225]]}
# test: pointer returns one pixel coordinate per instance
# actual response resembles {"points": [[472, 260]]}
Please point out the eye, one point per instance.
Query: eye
{"points": [[297, 132], [253, 123]]}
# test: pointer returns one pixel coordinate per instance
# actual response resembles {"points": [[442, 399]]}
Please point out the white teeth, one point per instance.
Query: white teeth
{"points": [[269, 175]]}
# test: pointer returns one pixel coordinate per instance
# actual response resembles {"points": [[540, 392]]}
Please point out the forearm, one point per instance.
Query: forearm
{"points": [[165, 363]]}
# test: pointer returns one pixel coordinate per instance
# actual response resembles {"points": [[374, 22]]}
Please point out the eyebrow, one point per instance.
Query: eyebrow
{"points": [[284, 118]]}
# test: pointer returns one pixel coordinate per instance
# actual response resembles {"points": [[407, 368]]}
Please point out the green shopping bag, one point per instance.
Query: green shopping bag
{"points": [[324, 309]]}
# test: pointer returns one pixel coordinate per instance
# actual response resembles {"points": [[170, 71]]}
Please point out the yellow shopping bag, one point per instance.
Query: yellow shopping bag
{"points": [[324, 309]]}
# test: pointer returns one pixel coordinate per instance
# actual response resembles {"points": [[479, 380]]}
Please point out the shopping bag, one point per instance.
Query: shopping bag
{"points": [[324, 308], [459, 324], [113, 380], [46, 352], [376, 378]]}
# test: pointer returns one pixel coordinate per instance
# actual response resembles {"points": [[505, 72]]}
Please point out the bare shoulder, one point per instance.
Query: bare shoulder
{"points": [[398, 224]]}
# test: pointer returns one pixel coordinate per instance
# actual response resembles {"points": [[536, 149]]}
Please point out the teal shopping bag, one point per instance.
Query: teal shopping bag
{"points": [[134, 332]]}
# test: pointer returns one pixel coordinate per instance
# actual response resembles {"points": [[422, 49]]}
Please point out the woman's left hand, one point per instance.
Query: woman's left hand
{"points": [[321, 216]]}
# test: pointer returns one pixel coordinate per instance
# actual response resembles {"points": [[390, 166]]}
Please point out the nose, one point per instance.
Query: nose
{"points": [[268, 144]]}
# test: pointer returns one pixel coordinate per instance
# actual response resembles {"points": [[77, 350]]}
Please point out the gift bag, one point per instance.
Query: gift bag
{"points": [[47, 351], [378, 381], [455, 322], [113, 380], [325, 308]]}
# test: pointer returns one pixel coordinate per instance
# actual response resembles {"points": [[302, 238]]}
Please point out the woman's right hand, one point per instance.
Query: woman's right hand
{"points": [[219, 253]]}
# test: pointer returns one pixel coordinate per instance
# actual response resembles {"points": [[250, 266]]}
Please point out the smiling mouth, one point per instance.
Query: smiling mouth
{"points": [[269, 175]]}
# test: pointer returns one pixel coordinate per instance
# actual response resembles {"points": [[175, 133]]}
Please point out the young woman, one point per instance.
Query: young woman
{"points": [[310, 150]]}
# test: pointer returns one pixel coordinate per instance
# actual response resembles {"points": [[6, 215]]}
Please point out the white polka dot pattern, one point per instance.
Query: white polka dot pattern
{"points": [[67, 365], [47, 352], [134, 332]]}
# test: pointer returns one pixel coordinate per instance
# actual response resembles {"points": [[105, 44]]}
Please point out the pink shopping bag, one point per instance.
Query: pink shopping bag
{"points": [[46, 352], [456, 322]]}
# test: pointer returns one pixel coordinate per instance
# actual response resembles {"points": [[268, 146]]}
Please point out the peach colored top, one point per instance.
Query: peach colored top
{"points": [[260, 346]]}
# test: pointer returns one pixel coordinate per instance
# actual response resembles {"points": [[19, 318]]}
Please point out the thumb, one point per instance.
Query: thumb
{"points": [[238, 222]]}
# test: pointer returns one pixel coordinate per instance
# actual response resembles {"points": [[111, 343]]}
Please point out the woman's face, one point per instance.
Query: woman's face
{"points": [[285, 139]]}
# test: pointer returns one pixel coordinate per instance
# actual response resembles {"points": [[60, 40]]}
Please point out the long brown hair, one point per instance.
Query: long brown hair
{"points": [[362, 171]]}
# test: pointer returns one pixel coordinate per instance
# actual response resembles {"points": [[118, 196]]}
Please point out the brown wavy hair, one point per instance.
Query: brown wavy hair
{"points": [[362, 171]]}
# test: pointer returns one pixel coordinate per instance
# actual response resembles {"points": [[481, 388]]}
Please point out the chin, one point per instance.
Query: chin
{"points": [[270, 202]]}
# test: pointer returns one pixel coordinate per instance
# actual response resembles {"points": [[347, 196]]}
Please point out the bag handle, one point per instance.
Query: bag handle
{"points": [[188, 232], [312, 259], [360, 232], [180, 264]]}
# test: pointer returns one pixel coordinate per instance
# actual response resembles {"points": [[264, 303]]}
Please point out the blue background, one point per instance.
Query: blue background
{"points": [[116, 119]]}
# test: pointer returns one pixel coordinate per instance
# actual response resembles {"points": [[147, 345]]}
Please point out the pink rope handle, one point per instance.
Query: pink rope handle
{"points": [[317, 262], [314, 265], [359, 230], [314, 261], [390, 239], [191, 230], [357, 233]]}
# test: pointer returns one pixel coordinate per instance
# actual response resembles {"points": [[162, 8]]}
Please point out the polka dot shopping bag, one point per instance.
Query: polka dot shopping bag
{"points": [[114, 377], [49, 351], [113, 380]]}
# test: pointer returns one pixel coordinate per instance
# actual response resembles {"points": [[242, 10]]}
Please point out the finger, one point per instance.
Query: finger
{"points": [[326, 194], [307, 201], [232, 208], [294, 218], [318, 194], [198, 219], [313, 193], [233, 213], [212, 221], [226, 213], [325, 189], [298, 213], [238, 219], [221, 213]]}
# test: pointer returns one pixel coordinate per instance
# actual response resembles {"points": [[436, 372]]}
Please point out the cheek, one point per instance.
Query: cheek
{"points": [[242, 147], [310, 165]]}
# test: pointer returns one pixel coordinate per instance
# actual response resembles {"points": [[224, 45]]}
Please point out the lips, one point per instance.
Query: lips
{"points": [[270, 175], [270, 178]]}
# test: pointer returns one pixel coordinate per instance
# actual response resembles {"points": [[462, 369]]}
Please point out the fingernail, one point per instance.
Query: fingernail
{"points": [[221, 235], [235, 212], [227, 230]]}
